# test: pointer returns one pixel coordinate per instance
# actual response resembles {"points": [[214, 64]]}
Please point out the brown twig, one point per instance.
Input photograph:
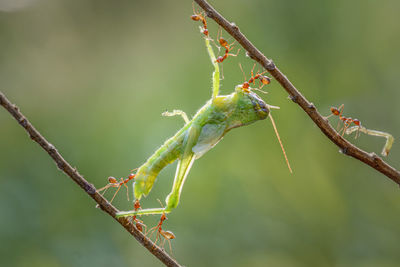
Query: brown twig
{"points": [[345, 147], [73, 173]]}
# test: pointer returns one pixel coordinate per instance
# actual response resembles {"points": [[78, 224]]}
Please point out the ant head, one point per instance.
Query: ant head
{"points": [[219, 59], [136, 205], [223, 42], [357, 122], [205, 31], [335, 111], [131, 176], [246, 85], [112, 180]]}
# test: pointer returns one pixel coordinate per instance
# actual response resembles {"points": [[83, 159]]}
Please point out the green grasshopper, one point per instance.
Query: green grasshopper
{"points": [[218, 116]]}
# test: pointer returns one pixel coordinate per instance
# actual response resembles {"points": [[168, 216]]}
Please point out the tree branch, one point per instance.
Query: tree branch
{"points": [[346, 147], [73, 173]]}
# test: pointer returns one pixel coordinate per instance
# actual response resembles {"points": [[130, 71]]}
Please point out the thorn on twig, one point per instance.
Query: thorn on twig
{"points": [[234, 26], [344, 150], [51, 147], [270, 65], [90, 189], [375, 157], [23, 122], [293, 98]]}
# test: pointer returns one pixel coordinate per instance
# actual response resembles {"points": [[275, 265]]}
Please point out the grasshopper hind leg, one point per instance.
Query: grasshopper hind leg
{"points": [[182, 170]]}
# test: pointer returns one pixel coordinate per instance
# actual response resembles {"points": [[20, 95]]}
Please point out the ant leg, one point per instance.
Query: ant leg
{"points": [[151, 231], [340, 108], [170, 247], [337, 127], [234, 55], [116, 192], [346, 125], [219, 35], [327, 117], [252, 73], [105, 188], [127, 191], [157, 236], [240, 66], [112, 182]]}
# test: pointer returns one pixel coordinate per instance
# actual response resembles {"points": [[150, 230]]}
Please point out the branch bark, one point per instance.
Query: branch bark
{"points": [[346, 147], [73, 173]]}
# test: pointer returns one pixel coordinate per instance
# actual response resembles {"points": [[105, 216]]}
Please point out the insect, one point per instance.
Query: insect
{"points": [[347, 121], [264, 80], [228, 48], [218, 116], [200, 17], [168, 235], [113, 182], [139, 223]]}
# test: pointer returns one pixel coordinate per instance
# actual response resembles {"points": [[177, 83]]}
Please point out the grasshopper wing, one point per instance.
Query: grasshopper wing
{"points": [[210, 135]]}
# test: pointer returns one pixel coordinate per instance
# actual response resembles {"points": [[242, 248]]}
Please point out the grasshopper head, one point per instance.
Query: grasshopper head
{"points": [[260, 108]]}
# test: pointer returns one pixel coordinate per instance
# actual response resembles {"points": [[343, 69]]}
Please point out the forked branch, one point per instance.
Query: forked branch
{"points": [[346, 147], [73, 173]]}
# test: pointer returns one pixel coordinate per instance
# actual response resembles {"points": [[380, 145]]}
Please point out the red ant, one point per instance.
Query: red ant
{"points": [[228, 48], [139, 223], [264, 80], [347, 121], [112, 182], [168, 235], [200, 16]]}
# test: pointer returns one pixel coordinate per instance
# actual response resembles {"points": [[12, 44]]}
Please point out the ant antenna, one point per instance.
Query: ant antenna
{"points": [[259, 90], [244, 75], [280, 142]]}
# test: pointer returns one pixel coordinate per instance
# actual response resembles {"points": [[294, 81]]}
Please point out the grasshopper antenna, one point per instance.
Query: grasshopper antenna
{"points": [[279, 139]]}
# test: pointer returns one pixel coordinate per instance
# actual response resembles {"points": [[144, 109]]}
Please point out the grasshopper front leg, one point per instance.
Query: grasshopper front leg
{"points": [[176, 112], [215, 76]]}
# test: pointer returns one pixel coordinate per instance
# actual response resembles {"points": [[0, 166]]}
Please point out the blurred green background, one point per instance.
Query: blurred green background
{"points": [[94, 77]]}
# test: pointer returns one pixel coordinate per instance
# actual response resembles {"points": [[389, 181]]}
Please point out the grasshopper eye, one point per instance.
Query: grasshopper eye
{"points": [[263, 106]]}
